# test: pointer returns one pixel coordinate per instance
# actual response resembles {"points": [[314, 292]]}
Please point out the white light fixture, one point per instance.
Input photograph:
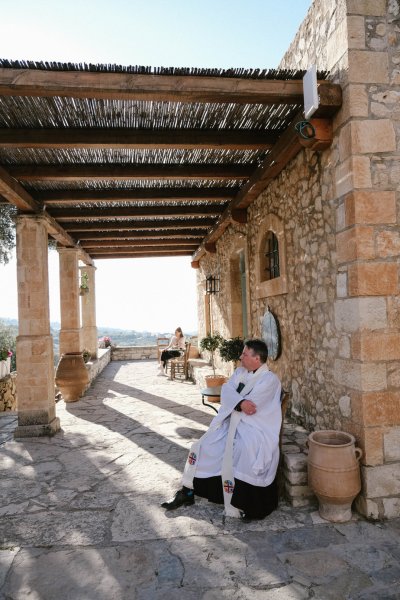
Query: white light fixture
{"points": [[310, 92]]}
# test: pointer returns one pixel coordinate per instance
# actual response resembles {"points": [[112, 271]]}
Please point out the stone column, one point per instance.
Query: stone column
{"points": [[89, 328], [35, 380], [70, 334], [367, 308]]}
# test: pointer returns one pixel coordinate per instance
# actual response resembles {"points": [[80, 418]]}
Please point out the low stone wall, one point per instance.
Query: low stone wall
{"points": [[96, 366], [8, 392], [198, 369], [133, 352], [8, 384]]}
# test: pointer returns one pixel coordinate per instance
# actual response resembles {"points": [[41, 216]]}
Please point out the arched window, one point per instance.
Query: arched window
{"points": [[271, 258]]}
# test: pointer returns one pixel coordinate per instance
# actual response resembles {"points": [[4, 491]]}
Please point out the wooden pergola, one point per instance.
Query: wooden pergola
{"points": [[135, 162]]}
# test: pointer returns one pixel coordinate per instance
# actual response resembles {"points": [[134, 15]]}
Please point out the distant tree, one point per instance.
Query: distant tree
{"points": [[7, 232], [8, 339]]}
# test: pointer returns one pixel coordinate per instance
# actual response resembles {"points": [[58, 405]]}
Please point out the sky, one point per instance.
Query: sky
{"points": [[155, 295]]}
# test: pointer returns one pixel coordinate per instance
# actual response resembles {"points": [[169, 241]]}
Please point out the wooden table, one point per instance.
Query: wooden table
{"points": [[210, 391]]}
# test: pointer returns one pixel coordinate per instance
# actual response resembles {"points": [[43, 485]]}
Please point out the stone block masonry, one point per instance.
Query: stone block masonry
{"points": [[133, 352], [338, 210], [8, 392]]}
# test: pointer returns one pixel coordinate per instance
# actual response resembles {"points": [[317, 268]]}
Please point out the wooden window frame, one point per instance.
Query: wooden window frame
{"points": [[277, 285]]}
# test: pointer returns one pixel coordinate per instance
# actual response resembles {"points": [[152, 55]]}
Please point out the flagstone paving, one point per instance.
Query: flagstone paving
{"points": [[80, 514]]}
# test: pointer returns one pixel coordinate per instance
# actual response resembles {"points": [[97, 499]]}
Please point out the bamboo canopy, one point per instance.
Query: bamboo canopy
{"points": [[139, 161]]}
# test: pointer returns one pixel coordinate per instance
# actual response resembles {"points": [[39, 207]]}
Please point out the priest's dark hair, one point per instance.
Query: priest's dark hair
{"points": [[259, 347]]}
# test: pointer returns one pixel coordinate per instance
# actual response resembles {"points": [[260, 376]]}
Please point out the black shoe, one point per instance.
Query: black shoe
{"points": [[246, 519], [181, 498]]}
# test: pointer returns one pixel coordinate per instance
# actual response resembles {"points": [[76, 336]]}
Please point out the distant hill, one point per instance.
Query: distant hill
{"points": [[119, 337]]}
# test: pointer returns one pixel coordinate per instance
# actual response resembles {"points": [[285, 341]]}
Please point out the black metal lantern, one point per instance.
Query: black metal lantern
{"points": [[212, 284]]}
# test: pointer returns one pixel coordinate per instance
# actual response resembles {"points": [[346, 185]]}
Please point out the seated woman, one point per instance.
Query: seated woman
{"points": [[174, 348]]}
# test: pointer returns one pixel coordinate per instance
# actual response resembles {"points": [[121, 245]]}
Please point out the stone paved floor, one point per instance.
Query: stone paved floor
{"points": [[80, 515]]}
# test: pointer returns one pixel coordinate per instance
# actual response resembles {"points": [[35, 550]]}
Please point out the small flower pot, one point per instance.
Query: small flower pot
{"points": [[214, 381]]}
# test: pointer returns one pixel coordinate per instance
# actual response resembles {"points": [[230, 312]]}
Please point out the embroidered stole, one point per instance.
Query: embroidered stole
{"points": [[228, 482]]}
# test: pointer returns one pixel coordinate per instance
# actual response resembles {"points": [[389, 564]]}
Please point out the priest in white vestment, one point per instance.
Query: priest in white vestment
{"points": [[236, 460]]}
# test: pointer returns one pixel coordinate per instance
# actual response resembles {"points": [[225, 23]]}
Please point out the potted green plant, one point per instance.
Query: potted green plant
{"points": [[86, 355], [210, 343], [230, 350], [84, 285]]}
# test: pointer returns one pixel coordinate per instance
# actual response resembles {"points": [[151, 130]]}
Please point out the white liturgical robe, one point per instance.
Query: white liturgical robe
{"points": [[256, 439]]}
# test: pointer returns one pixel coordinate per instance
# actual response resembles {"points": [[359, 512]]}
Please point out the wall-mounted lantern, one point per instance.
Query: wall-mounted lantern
{"points": [[212, 285]]}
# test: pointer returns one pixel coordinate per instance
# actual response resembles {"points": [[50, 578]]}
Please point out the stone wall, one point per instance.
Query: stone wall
{"points": [[96, 366], [8, 392], [133, 352], [340, 315]]}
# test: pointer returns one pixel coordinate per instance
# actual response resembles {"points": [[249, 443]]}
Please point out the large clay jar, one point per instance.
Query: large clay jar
{"points": [[214, 381], [71, 376], [334, 473]]}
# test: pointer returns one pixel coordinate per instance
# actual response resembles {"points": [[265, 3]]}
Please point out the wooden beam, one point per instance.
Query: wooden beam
{"points": [[15, 194], [177, 139], [210, 247], [287, 147], [149, 249], [169, 234], [168, 254], [238, 216], [157, 88], [19, 197], [123, 212], [114, 243], [120, 172], [195, 264], [323, 135], [54, 197], [177, 224], [64, 239]]}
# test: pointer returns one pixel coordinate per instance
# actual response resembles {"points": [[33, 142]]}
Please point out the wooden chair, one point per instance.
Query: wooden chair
{"points": [[179, 365], [162, 343]]}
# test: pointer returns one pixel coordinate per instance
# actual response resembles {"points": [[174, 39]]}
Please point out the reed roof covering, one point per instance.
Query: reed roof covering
{"points": [[140, 161]]}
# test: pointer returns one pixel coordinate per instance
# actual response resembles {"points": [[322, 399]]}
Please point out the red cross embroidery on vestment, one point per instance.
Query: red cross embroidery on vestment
{"points": [[228, 486], [192, 458]]}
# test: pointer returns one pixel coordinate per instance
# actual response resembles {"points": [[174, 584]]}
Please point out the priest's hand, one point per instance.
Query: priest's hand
{"points": [[248, 407]]}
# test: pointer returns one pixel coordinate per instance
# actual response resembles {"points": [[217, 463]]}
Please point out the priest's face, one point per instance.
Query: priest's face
{"points": [[249, 360]]}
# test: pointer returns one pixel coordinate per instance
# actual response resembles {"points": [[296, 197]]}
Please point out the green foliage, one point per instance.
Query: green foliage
{"points": [[84, 280], [211, 342], [231, 350], [8, 341], [7, 232], [86, 355]]}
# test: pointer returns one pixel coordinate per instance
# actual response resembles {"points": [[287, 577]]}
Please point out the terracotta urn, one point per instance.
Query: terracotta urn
{"points": [[71, 376], [214, 381], [334, 473]]}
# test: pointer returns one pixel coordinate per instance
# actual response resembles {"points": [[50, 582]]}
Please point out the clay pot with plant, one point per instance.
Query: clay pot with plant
{"points": [[210, 343]]}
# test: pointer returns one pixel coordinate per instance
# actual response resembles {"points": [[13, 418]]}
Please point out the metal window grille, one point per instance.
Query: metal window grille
{"points": [[271, 256]]}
